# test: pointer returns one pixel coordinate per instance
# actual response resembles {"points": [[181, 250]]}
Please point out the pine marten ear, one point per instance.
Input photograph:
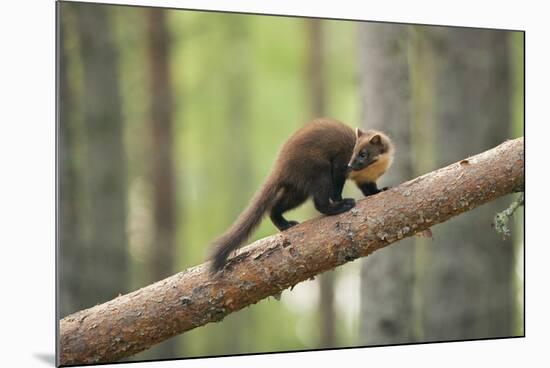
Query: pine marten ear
{"points": [[358, 132], [376, 140]]}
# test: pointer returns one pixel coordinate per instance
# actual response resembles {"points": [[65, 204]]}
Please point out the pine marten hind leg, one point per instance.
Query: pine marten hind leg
{"points": [[288, 200]]}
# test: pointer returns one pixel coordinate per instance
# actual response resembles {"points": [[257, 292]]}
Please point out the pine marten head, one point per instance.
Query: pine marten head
{"points": [[372, 156]]}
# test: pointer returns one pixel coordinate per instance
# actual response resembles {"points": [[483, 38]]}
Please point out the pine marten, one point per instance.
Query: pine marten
{"points": [[314, 162]]}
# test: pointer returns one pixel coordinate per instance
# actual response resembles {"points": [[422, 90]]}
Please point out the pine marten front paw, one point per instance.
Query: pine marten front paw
{"points": [[289, 225], [385, 188], [348, 203]]}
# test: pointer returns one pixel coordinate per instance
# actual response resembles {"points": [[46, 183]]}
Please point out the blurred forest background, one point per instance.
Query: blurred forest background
{"points": [[169, 120]]}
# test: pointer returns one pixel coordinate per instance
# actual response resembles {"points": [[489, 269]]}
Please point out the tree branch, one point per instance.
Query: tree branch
{"points": [[134, 322]]}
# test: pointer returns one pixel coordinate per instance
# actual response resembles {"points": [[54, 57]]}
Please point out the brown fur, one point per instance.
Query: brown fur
{"points": [[313, 162]]}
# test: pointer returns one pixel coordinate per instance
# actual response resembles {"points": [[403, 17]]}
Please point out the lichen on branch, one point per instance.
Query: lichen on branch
{"points": [[500, 222]]}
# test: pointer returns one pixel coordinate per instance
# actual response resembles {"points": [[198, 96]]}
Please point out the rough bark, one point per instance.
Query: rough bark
{"points": [[386, 307], [194, 297]]}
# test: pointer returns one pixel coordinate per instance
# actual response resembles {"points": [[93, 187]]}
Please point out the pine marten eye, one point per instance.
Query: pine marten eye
{"points": [[362, 154]]}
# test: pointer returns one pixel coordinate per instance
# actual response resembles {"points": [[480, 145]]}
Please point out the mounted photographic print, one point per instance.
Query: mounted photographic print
{"points": [[235, 184]]}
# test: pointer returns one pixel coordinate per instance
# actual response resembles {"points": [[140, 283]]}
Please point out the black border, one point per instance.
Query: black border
{"points": [[58, 170]]}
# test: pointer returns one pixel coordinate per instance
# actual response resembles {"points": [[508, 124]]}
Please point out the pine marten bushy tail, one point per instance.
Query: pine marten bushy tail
{"points": [[245, 224]]}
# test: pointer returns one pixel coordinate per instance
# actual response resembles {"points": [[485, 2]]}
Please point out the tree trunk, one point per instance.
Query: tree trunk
{"points": [[386, 314], [472, 87], [136, 321], [162, 173], [70, 222], [237, 94], [421, 64], [104, 259], [317, 95]]}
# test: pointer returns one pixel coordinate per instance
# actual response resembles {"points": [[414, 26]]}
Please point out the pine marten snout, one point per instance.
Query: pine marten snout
{"points": [[312, 163]]}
